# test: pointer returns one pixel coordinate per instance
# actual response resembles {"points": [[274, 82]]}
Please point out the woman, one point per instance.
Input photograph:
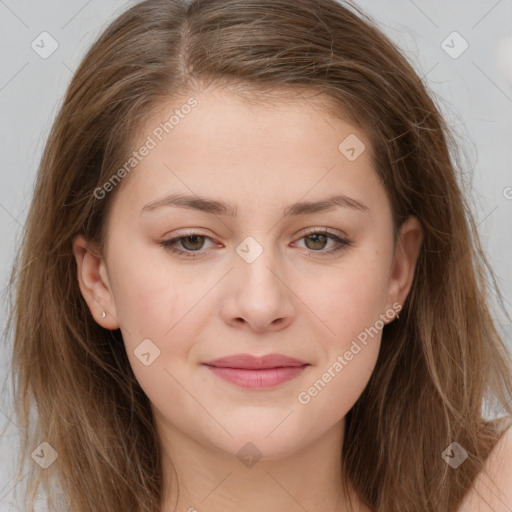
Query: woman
{"points": [[250, 279]]}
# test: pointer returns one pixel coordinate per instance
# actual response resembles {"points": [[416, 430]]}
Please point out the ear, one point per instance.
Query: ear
{"points": [[94, 283], [408, 245]]}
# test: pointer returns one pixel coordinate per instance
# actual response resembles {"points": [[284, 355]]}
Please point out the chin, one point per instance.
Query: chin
{"points": [[256, 442]]}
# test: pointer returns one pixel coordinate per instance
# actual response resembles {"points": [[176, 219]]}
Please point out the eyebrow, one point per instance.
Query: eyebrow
{"points": [[216, 207]]}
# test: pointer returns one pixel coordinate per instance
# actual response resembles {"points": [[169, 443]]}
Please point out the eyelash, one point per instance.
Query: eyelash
{"points": [[341, 243]]}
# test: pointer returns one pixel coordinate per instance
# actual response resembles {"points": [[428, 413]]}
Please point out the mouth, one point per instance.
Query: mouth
{"points": [[247, 371]]}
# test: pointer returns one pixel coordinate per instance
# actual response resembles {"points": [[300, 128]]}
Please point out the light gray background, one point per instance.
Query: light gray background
{"points": [[473, 90]]}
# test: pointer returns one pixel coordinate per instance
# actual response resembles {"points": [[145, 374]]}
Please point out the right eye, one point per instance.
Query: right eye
{"points": [[191, 243]]}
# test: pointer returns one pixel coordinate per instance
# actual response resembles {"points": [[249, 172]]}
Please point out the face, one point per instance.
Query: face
{"points": [[265, 264]]}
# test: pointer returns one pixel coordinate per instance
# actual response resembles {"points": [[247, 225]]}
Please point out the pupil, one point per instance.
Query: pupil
{"points": [[316, 236], [194, 239]]}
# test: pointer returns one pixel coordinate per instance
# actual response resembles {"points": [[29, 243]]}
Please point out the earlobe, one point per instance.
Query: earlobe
{"points": [[94, 284], [408, 246]]}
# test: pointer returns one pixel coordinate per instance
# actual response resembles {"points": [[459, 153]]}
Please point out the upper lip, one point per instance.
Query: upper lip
{"points": [[250, 362]]}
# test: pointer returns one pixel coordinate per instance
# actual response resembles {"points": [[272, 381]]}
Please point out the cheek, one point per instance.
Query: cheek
{"points": [[349, 354], [150, 294], [353, 307], [159, 302], [158, 325], [353, 300], [335, 388]]}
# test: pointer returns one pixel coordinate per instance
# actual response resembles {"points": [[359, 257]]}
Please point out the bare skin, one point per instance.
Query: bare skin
{"points": [[298, 297]]}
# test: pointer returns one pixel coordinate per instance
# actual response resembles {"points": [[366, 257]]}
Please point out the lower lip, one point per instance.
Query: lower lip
{"points": [[257, 379]]}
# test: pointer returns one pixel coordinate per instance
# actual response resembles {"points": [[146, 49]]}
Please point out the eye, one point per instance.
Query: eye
{"points": [[192, 243], [317, 240]]}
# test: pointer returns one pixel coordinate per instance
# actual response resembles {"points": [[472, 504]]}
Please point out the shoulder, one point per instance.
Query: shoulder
{"points": [[492, 490]]}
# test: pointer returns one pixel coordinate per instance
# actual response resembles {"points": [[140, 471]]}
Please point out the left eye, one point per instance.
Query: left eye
{"points": [[193, 243], [321, 238]]}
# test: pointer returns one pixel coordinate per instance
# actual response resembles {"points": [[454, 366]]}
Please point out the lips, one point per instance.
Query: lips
{"points": [[249, 362], [254, 372]]}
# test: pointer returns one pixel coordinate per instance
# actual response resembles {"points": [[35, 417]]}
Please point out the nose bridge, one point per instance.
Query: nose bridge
{"points": [[258, 261], [261, 296]]}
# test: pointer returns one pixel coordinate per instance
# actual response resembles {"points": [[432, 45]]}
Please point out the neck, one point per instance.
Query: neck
{"points": [[213, 480]]}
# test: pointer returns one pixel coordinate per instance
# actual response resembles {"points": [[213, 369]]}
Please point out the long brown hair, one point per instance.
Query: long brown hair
{"points": [[438, 364]]}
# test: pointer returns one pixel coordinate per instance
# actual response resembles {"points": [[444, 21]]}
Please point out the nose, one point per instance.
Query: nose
{"points": [[258, 295]]}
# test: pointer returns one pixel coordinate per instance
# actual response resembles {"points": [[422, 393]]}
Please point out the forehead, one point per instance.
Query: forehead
{"points": [[250, 153]]}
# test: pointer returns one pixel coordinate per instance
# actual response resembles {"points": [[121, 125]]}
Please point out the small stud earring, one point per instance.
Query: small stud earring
{"points": [[103, 315], [397, 316]]}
